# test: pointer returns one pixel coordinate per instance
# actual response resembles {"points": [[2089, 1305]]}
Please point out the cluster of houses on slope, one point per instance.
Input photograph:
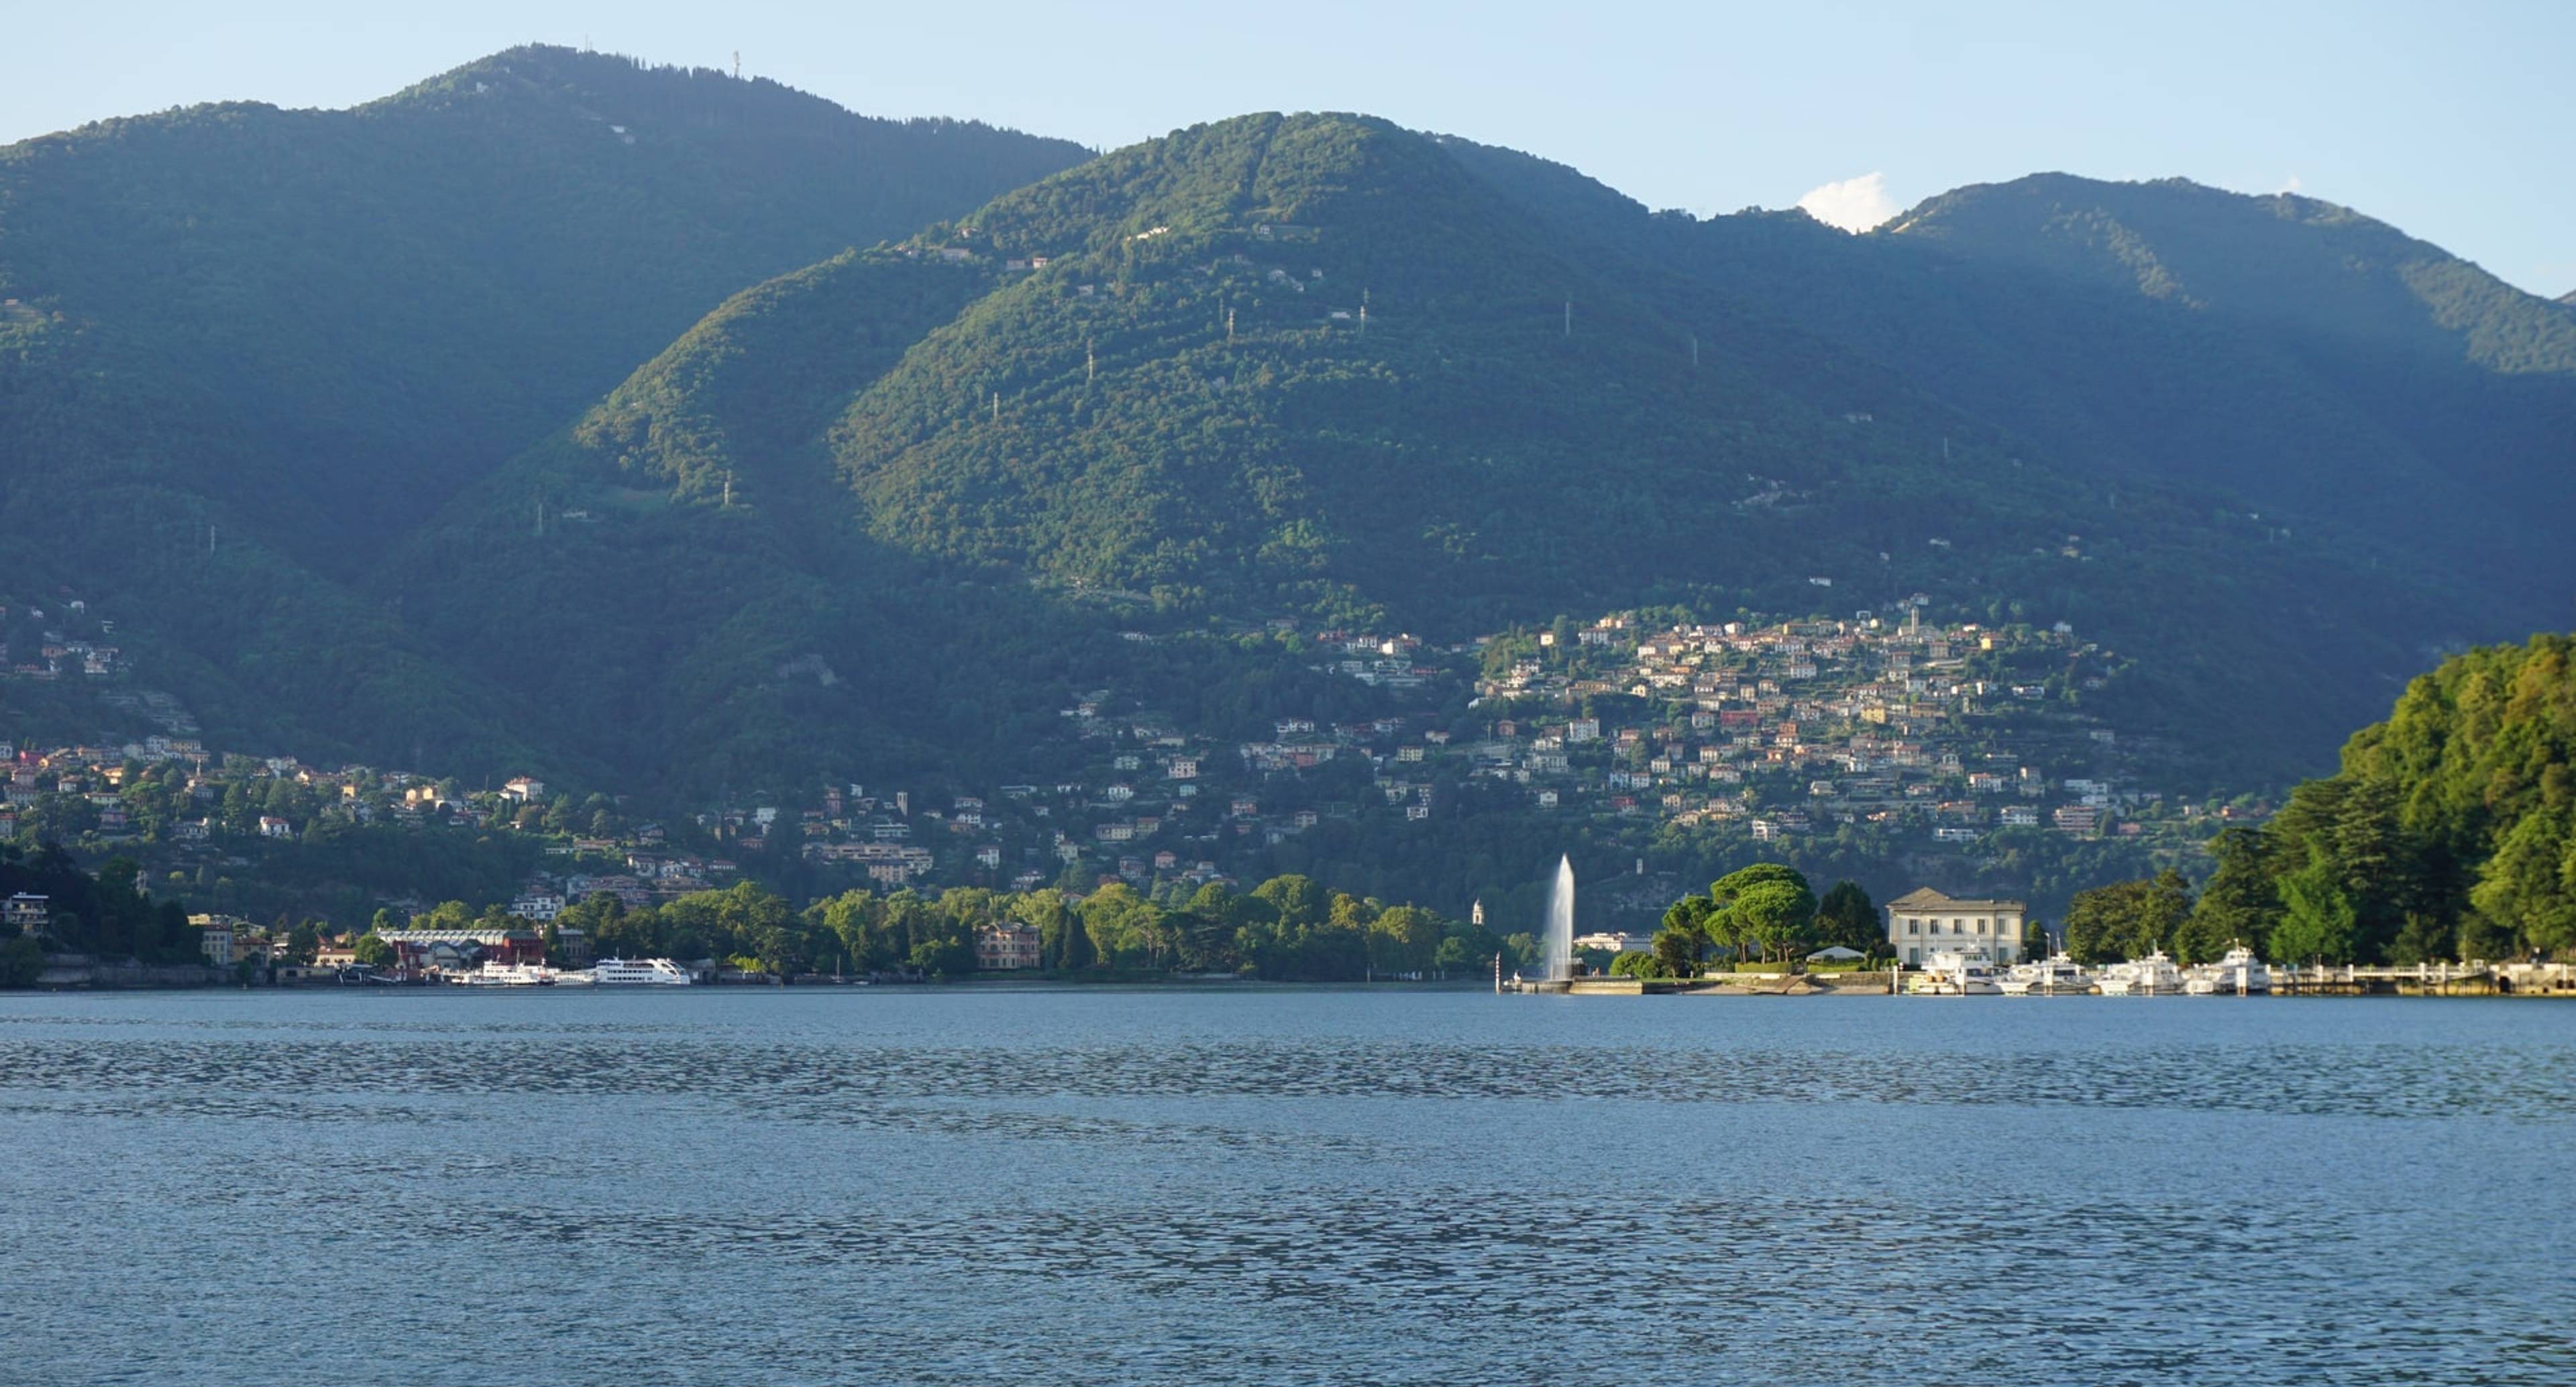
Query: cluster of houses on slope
{"points": [[1777, 729], [39, 642], [1956, 730]]}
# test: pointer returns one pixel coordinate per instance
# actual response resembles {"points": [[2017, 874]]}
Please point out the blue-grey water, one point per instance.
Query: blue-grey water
{"points": [[1281, 1186]]}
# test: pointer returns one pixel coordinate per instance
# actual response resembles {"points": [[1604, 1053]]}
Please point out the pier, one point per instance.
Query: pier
{"points": [[2427, 980]]}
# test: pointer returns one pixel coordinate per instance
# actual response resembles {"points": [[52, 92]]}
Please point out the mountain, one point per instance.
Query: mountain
{"points": [[1321, 365], [244, 347], [656, 430], [2289, 355]]}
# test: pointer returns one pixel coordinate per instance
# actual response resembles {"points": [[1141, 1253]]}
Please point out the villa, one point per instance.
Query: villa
{"points": [[1924, 922]]}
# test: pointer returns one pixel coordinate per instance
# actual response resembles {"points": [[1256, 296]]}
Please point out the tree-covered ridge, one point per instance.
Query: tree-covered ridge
{"points": [[249, 348], [2302, 365], [678, 578], [2355, 283], [1320, 363], [387, 300], [2449, 834]]}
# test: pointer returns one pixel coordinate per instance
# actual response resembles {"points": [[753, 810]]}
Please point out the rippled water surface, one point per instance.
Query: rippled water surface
{"points": [[1286, 1186]]}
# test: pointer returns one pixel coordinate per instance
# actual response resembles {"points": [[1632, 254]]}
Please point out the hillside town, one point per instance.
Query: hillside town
{"points": [[1937, 735]]}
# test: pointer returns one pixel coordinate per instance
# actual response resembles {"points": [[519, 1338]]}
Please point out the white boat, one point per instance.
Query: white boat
{"points": [[2152, 976], [2239, 974], [493, 974], [2058, 976], [639, 972], [1947, 974]]}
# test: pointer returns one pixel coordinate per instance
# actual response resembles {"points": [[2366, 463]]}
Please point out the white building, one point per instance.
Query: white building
{"points": [[1614, 942], [215, 940], [1924, 921]]}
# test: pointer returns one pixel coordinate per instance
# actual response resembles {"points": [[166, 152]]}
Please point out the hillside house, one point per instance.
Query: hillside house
{"points": [[1002, 947], [215, 939], [28, 914]]}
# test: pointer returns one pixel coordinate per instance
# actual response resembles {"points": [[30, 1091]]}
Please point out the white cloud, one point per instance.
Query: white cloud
{"points": [[2294, 185], [1854, 204]]}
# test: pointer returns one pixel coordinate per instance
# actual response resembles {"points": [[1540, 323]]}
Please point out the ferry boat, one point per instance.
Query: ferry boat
{"points": [[639, 972], [2238, 974], [2152, 976], [2059, 976], [1947, 974], [493, 974]]}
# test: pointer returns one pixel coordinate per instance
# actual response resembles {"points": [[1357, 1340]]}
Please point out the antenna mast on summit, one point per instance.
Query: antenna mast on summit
{"points": [[737, 65]]}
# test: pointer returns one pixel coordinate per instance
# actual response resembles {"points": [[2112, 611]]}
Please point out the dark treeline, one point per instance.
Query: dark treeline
{"points": [[2449, 834], [105, 914], [1286, 929]]}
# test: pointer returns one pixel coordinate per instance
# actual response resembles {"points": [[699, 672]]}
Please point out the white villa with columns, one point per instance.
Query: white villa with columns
{"points": [[1923, 922]]}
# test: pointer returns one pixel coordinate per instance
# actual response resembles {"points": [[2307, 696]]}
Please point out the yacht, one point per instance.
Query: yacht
{"points": [[2152, 976], [1947, 974], [2239, 974], [639, 972], [2059, 976]]}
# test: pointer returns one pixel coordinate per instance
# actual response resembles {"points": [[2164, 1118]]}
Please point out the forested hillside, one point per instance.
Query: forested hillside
{"points": [[246, 346], [2450, 833], [2302, 363], [326, 407], [1311, 362]]}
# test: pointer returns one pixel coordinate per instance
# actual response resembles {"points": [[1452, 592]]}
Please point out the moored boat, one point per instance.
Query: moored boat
{"points": [[493, 974], [639, 972], [2152, 976], [2238, 974], [1948, 974], [2056, 976]]}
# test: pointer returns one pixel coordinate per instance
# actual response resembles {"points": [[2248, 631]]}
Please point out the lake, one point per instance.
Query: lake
{"points": [[1222, 1185]]}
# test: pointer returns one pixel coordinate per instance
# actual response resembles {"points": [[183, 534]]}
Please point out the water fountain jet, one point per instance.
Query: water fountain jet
{"points": [[1558, 954]]}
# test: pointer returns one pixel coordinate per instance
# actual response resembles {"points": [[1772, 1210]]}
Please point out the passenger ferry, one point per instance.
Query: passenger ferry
{"points": [[493, 974], [639, 972], [2239, 974], [2059, 976], [2152, 976]]}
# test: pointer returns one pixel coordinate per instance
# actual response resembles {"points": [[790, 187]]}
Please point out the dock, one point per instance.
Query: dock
{"points": [[2427, 980]]}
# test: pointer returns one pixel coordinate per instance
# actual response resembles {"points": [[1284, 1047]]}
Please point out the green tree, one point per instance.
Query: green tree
{"points": [[2318, 922], [1846, 918], [2238, 905], [22, 961], [2128, 919], [1767, 907]]}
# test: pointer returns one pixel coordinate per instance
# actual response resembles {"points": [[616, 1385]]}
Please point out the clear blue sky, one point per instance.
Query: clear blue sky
{"points": [[2455, 122]]}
